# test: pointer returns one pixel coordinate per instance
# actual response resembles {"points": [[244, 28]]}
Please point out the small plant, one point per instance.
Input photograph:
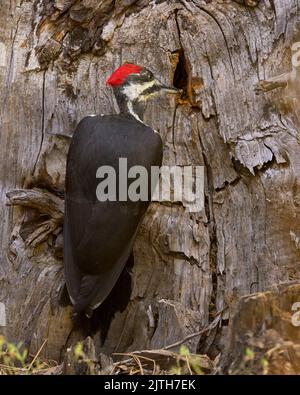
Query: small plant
{"points": [[253, 363], [265, 366], [15, 359], [89, 365], [12, 356], [249, 355], [187, 363], [249, 360]]}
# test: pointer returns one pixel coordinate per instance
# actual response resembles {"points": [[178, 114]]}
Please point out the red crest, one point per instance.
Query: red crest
{"points": [[121, 74]]}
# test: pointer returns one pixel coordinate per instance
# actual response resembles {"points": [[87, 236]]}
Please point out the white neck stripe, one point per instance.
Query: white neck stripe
{"points": [[130, 109]]}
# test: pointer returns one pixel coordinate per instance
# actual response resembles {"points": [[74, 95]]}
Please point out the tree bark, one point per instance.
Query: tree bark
{"points": [[55, 57]]}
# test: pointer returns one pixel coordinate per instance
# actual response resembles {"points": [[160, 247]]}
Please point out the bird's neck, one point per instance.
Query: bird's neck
{"points": [[135, 108]]}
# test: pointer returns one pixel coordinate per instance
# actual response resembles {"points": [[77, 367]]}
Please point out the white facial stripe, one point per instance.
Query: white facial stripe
{"points": [[130, 108], [146, 97], [133, 91]]}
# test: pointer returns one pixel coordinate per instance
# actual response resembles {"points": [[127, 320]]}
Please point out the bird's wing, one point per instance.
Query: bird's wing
{"points": [[98, 236]]}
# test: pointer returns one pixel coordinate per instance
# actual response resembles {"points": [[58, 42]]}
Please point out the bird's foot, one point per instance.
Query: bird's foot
{"points": [[88, 313]]}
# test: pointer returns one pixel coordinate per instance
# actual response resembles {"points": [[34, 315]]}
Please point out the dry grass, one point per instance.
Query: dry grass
{"points": [[15, 360]]}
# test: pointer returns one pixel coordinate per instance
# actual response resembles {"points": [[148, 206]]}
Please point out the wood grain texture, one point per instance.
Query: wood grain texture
{"points": [[54, 61]]}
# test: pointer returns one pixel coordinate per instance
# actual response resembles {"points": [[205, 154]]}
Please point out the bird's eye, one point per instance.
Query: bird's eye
{"points": [[146, 73]]}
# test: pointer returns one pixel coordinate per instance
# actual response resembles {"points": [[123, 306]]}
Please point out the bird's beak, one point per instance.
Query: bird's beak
{"points": [[167, 89]]}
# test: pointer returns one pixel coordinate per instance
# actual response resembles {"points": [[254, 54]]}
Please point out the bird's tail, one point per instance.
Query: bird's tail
{"points": [[88, 287]]}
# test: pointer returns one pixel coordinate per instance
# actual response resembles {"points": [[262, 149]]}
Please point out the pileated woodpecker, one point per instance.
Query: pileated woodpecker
{"points": [[99, 235]]}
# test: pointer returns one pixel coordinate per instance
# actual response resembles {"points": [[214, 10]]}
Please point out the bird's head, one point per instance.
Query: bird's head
{"points": [[136, 84]]}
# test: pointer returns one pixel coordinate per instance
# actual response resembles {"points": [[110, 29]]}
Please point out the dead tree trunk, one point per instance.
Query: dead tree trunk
{"points": [[55, 56]]}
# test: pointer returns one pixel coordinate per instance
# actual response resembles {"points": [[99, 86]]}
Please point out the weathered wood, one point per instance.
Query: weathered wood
{"points": [[54, 61], [43, 201], [262, 324]]}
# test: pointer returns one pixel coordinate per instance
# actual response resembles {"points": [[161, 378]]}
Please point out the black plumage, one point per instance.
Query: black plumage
{"points": [[99, 236]]}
